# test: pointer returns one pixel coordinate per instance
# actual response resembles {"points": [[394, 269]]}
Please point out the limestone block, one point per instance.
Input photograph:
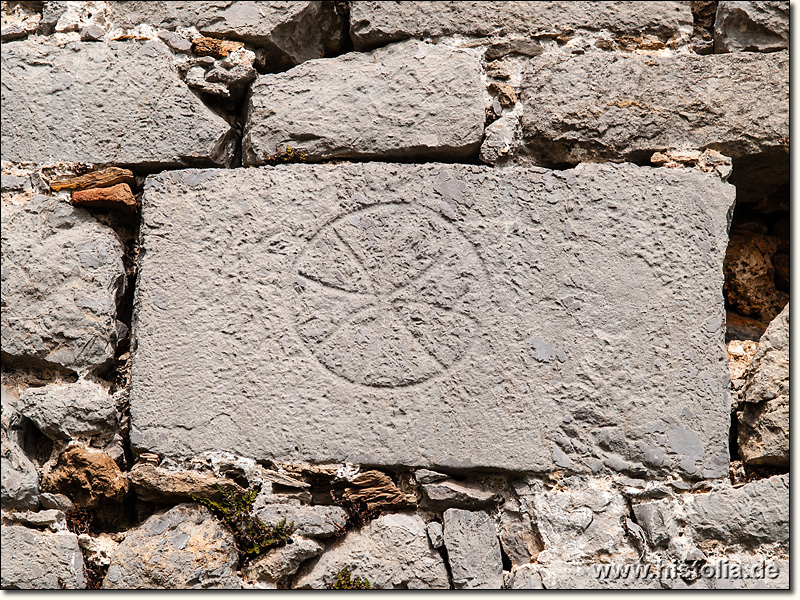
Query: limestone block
{"points": [[291, 32], [126, 104], [751, 26], [154, 484], [309, 521], [284, 561], [62, 276], [392, 552], [378, 23], [38, 560], [632, 105], [473, 550], [409, 100], [184, 547], [437, 316]]}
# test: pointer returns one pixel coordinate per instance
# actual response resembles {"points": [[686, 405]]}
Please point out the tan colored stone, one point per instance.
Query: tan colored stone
{"points": [[504, 92], [750, 277], [740, 353], [117, 196], [378, 491], [154, 484], [206, 46], [108, 177], [88, 476]]}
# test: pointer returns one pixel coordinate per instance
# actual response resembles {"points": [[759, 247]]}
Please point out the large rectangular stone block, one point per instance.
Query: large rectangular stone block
{"points": [[603, 106], [119, 103], [435, 315]]}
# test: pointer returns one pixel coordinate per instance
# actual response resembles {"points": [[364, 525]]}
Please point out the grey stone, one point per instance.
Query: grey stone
{"points": [[498, 142], [518, 538], [184, 547], [436, 534], [291, 32], [19, 480], [606, 273], [56, 501], [175, 41], [428, 476], [408, 100], [283, 561], [566, 576], [764, 418], [309, 521], [72, 410], [731, 573], [751, 26], [40, 560], [392, 552], [126, 102], [51, 13], [9, 183], [62, 276], [378, 23], [473, 550], [92, 33], [456, 494], [657, 519], [14, 31], [636, 105], [44, 519]]}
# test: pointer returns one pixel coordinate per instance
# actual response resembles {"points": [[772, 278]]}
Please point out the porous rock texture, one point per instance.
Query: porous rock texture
{"points": [[62, 277], [635, 105], [125, 101], [432, 291], [760, 26], [38, 560], [425, 100]]}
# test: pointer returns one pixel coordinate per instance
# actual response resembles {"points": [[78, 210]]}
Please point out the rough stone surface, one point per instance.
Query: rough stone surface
{"points": [[749, 516], [726, 574], [456, 330], [19, 487], [184, 547], [62, 275], [751, 26], [117, 197], [108, 177], [392, 552], [455, 494], [568, 576], [40, 560], [473, 550], [72, 410], [44, 519], [378, 23], [436, 534], [88, 476], [309, 521], [750, 276], [635, 105], [291, 32], [153, 484], [125, 101], [410, 99], [283, 561], [378, 492]]}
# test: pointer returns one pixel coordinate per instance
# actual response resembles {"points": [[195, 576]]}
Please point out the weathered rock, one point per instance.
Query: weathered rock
{"points": [[118, 197], [581, 521], [378, 492], [740, 354], [290, 32], [498, 142], [436, 534], [392, 552], [9, 183], [410, 99], [55, 501], [184, 547], [62, 275], [473, 550], [636, 105], [518, 539], [153, 484], [40, 560], [98, 550], [566, 576], [205, 46], [72, 410], [92, 33], [108, 177], [309, 521], [735, 573], [44, 519], [638, 259], [756, 26], [743, 328], [750, 276], [283, 561], [125, 101], [88, 476], [428, 476], [754, 514], [20, 481], [456, 494], [764, 416], [378, 23]]}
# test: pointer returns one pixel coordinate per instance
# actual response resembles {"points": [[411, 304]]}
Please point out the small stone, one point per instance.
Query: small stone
{"points": [[98, 550], [72, 410], [309, 521], [55, 501], [378, 492], [283, 561], [175, 41], [92, 33], [14, 31], [206, 46], [504, 92], [427, 476], [520, 47], [750, 276], [40, 560], [498, 143], [9, 183], [184, 547], [117, 197], [52, 519], [457, 494], [20, 480], [154, 484], [743, 328], [473, 550], [498, 70], [104, 178], [436, 534], [88, 476]]}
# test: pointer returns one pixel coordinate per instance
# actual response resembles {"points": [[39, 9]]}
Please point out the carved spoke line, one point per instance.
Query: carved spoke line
{"points": [[353, 254], [424, 347]]}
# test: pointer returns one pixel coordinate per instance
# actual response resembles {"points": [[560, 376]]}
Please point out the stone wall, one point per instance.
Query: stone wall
{"points": [[399, 295]]}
